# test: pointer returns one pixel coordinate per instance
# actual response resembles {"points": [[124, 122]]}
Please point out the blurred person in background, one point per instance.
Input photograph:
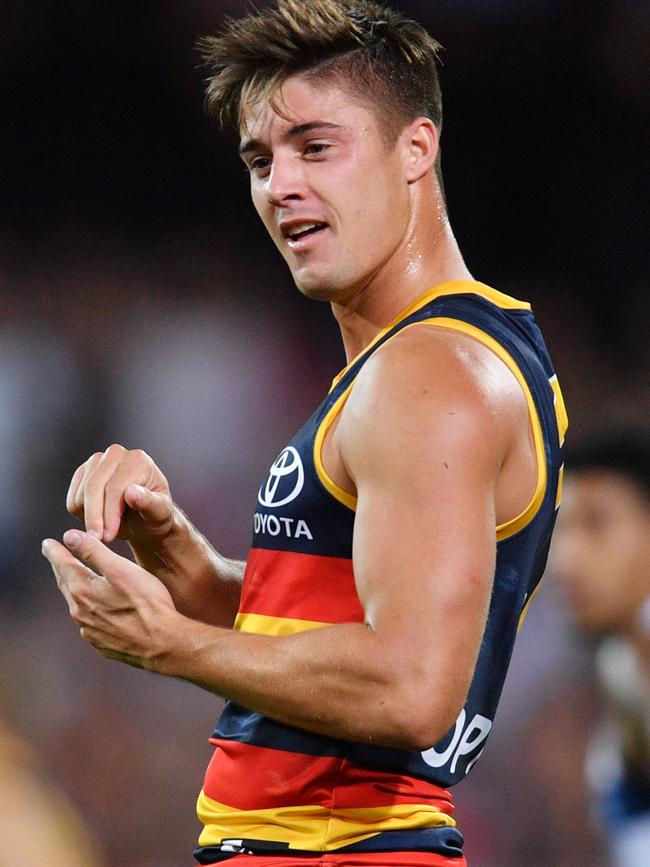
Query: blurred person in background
{"points": [[38, 825], [601, 555], [362, 674]]}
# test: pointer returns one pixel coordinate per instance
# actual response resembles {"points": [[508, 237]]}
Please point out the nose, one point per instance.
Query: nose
{"points": [[286, 180]]}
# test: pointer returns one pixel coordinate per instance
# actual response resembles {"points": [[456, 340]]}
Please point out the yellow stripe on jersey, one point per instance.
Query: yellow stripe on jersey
{"points": [[315, 829], [514, 525], [463, 287], [524, 610], [560, 482], [264, 624], [558, 500], [452, 287], [335, 490], [560, 409]]}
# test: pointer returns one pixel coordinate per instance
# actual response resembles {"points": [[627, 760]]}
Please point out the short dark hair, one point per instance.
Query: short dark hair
{"points": [[623, 451], [389, 61]]}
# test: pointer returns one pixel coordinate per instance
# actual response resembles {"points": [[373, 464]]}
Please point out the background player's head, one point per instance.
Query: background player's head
{"points": [[602, 545], [367, 72]]}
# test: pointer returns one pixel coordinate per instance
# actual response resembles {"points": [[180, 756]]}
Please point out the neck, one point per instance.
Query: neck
{"points": [[423, 261]]}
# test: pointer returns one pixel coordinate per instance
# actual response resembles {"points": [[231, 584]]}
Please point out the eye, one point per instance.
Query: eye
{"points": [[315, 148], [259, 165]]}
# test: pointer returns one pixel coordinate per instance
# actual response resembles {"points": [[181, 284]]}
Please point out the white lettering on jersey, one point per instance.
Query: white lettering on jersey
{"points": [[435, 759], [288, 527], [303, 530], [463, 742]]}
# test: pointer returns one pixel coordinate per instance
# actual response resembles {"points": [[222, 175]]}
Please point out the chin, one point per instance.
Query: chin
{"points": [[320, 287], [315, 291]]}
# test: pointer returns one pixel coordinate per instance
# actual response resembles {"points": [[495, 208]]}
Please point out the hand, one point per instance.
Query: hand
{"points": [[124, 611], [121, 493]]}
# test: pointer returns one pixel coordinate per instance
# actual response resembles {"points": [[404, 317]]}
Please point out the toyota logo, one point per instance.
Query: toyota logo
{"points": [[285, 481]]}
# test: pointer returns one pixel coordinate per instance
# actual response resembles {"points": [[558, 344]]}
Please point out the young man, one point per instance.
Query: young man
{"points": [[602, 557], [401, 533]]}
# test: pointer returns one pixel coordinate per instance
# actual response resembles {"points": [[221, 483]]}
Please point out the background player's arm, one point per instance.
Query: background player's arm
{"points": [[424, 436], [122, 493]]}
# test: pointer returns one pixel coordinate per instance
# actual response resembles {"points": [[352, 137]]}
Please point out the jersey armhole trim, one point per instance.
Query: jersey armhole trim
{"points": [[451, 287], [514, 525], [510, 527], [328, 483]]}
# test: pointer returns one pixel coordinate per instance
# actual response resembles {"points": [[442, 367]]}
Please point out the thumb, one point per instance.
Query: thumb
{"points": [[153, 507], [125, 576], [97, 555]]}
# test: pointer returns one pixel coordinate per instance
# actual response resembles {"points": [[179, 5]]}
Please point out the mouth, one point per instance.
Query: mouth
{"points": [[299, 235]]}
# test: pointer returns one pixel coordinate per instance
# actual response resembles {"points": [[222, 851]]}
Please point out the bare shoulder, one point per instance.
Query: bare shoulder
{"points": [[429, 382]]}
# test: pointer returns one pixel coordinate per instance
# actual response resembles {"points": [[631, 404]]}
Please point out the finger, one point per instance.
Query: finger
{"points": [[133, 584], [74, 498], [109, 564], [137, 468], [49, 549], [95, 488], [71, 497], [68, 571], [154, 507]]}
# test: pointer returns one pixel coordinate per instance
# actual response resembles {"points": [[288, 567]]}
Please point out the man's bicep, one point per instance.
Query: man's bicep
{"points": [[424, 559], [425, 461]]}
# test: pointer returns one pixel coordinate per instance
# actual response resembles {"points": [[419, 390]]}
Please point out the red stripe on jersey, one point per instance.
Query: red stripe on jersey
{"points": [[300, 586], [247, 777], [351, 859]]}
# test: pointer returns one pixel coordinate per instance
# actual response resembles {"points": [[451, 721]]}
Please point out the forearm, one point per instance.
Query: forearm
{"points": [[204, 585], [340, 681]]}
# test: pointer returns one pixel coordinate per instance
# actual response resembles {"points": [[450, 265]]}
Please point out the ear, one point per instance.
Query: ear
{"points": [[420, 141]]}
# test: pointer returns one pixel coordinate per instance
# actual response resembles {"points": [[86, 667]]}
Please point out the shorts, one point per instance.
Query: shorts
{"points": [[360, 859]]}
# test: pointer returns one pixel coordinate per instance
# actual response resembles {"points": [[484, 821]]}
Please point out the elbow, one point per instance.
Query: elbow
{"points": [[420, 723], [417, 739], [421, 733]]}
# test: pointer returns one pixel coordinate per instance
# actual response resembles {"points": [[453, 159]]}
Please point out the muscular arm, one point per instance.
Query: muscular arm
{"points": [[423, 437]]}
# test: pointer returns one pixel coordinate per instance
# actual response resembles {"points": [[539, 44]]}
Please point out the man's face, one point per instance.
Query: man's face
{"points": [[601, 550], [331, 193]]}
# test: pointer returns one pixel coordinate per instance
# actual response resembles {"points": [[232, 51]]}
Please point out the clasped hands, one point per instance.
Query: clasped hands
{"points": [[123, 610]]}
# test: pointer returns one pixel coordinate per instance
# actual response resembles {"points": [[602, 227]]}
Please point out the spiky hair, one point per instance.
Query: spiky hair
{"points": [[385, 59]]}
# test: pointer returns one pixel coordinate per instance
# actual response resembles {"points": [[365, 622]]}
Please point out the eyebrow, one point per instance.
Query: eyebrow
{"points": [[254, 144]]}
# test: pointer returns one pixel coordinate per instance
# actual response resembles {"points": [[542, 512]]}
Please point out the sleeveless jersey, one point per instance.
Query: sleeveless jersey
{"points": [[274, 789]]}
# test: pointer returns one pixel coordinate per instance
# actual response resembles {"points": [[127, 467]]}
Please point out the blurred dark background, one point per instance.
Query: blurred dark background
{"points": [[142, 303]]}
